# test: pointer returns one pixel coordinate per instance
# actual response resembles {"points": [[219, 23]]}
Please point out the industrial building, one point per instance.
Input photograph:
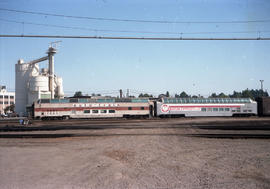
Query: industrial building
{"points": [[33, 83], [6, 98]]}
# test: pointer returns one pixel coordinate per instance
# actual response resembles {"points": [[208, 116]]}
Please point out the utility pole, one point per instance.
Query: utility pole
{"points": [[127, 93], [121, 93], [262, 86]]}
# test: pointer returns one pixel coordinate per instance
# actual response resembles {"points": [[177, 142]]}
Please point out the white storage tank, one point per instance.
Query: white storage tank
{"points": [[59, 87], [39, 83], [21, 91], [23, 73]]}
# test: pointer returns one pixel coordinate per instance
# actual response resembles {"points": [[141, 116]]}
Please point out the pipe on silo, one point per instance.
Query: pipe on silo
{"points": [[51, 53]]}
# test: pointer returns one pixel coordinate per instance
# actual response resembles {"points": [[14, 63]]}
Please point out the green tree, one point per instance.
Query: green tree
{"points": [[167, 94], [247, 94], [213, 95], [78, 94], [236, 95], [184, 95], [145, 95], [222, 95], [9, 108]]}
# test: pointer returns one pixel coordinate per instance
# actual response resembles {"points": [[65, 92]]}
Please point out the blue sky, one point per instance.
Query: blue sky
{"points": [[105, 66]]}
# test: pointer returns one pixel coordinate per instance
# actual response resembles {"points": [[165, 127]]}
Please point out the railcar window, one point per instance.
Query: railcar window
{"points": [[95, 111], [91, 100], [86, 111], [221, 109], [129, 108], [215, 109], [203, 109], [83, 100], [227, 109], [73, 100], [209, 109], [106, 100], [111, 111], [142, 108], [139, 100], [45, 100], [103, 111], [64, 100], [122, 100], [54, 100]]}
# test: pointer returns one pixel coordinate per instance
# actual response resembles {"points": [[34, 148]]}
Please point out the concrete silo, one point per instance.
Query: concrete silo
{"points": [[33, 84]]}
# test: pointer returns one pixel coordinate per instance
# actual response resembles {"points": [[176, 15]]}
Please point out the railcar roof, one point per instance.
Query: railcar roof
{"points": [[205, 100], [94, 100]]}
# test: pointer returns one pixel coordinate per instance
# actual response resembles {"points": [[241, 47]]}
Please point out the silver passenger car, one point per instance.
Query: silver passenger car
{"points": [[191, 107]]}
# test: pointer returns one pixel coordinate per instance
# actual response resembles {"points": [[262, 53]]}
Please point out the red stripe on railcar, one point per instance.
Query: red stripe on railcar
{"points": [[208, 106]]}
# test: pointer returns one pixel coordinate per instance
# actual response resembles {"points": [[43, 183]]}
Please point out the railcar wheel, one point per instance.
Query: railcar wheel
{"points": [[65, 117]]}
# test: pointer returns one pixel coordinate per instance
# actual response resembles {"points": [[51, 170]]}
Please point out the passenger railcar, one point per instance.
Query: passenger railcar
{"points": [[191, 107], [91, 108]]}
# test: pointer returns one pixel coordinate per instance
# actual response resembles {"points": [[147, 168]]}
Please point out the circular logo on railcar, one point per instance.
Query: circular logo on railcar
{"points": [[165, 108]]}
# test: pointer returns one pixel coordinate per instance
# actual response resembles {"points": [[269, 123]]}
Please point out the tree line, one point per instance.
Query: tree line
{"points": [[247, 93]]}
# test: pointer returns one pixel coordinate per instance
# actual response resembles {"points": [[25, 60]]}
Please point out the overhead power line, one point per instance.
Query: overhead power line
{"points": [[136, 20], [129, 31], [131, 38]]}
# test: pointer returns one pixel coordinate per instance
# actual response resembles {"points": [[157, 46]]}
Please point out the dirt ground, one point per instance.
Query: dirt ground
{"points": [[161, 153]]}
